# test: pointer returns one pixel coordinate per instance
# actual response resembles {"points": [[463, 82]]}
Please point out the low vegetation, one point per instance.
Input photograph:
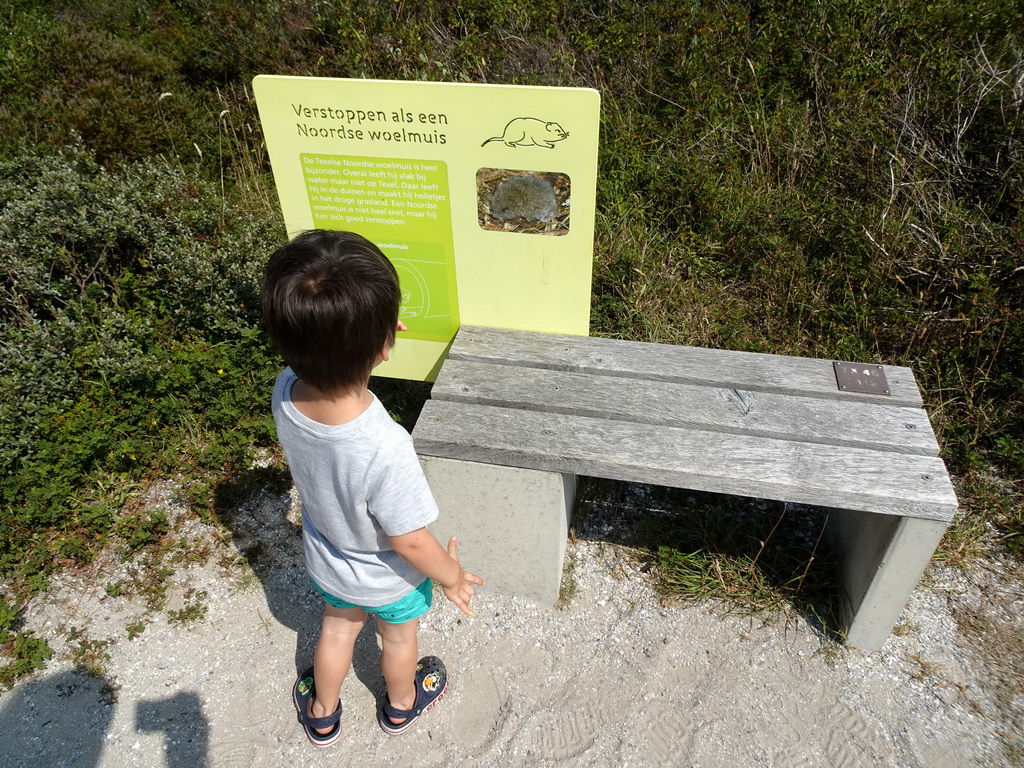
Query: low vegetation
{"points": [[840, 179], [749, 556]]}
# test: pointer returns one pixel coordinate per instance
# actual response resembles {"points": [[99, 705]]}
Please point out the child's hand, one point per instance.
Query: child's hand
{"points": [[461, 593]]}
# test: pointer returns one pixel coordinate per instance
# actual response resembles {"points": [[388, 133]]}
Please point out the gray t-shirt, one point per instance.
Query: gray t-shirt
{"points": [[360, 482]]}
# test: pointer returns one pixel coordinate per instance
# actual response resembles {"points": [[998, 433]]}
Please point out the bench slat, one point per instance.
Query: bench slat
{"points": [[851, 478], [742, 412], [691, 365]]}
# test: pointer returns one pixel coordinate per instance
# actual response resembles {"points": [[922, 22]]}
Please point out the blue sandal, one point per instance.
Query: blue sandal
{"points": [[431, 686], [302, 695]]}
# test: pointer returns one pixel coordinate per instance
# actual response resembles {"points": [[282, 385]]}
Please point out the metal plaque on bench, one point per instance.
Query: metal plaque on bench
{"points": [[861, 377]]}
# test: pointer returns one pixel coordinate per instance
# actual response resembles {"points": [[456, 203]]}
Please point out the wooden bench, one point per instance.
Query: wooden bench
{"points": [[515, 416]]}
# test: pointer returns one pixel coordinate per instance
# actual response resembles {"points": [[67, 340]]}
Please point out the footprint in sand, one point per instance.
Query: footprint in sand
{"points": [[239, 745], [666, 741], [480, 714], [853, 741], [575, 718], [839, 737], [570, 733], [661, 739]]}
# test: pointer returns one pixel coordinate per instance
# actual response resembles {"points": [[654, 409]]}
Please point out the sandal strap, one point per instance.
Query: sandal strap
{"points": [[322, 722], [399, 714]]}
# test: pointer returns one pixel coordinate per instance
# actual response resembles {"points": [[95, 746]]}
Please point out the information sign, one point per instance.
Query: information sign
{"points": [[482, 196]]}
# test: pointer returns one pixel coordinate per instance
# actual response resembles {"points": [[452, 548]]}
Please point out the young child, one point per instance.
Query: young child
{"points": [[330, 304]]}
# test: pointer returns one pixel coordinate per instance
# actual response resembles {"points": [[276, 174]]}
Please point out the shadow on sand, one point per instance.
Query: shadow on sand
{"points": [[186, 731], [63, 719], [59, 719]]}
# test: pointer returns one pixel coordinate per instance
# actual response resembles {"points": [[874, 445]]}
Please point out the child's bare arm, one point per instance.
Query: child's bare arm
{"points": [[424, 553]]}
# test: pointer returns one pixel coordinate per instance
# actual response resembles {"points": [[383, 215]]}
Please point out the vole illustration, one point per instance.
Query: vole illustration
{"points": [[524, 197], [530, 132]]}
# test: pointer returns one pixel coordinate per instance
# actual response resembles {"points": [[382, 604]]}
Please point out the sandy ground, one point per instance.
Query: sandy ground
{"points": [[614, 678]]}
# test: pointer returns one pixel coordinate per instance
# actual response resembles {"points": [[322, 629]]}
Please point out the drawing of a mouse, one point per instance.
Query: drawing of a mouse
{"points": [[529, 131]]}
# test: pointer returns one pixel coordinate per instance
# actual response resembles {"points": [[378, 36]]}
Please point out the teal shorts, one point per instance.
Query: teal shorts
{"points": [[407, 608]]}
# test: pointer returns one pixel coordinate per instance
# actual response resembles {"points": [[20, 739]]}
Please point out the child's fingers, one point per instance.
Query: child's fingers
{"points": [[472, 577], [463, 604], [452, 542], [461, 597]]}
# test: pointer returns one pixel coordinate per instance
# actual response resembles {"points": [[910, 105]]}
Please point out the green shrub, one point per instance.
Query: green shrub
{"points": [[130, 328], [26, 651]]}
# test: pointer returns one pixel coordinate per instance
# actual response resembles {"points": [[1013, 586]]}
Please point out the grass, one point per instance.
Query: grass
{"points": [[841, 179], [567, 586], [904, 628], [748, 555], [924, 670], [999, 646], [754, 560]]}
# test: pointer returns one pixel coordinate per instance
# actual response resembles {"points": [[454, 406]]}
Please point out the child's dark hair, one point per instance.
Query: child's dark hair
{"points": [[330, 304]]}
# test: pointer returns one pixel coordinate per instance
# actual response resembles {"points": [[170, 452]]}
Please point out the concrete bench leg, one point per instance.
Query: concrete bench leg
{"points": [[884, 556], [512, 524]]}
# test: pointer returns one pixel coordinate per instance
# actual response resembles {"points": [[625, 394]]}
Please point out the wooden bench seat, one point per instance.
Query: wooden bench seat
{"points": [[515, 416]]}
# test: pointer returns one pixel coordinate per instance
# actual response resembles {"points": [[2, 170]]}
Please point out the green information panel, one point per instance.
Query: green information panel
{"points": [[482, 196], [402, 206]]}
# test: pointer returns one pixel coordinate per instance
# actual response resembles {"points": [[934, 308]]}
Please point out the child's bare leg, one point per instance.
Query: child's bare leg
{"points": [[341, 627], [399, 655]]}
